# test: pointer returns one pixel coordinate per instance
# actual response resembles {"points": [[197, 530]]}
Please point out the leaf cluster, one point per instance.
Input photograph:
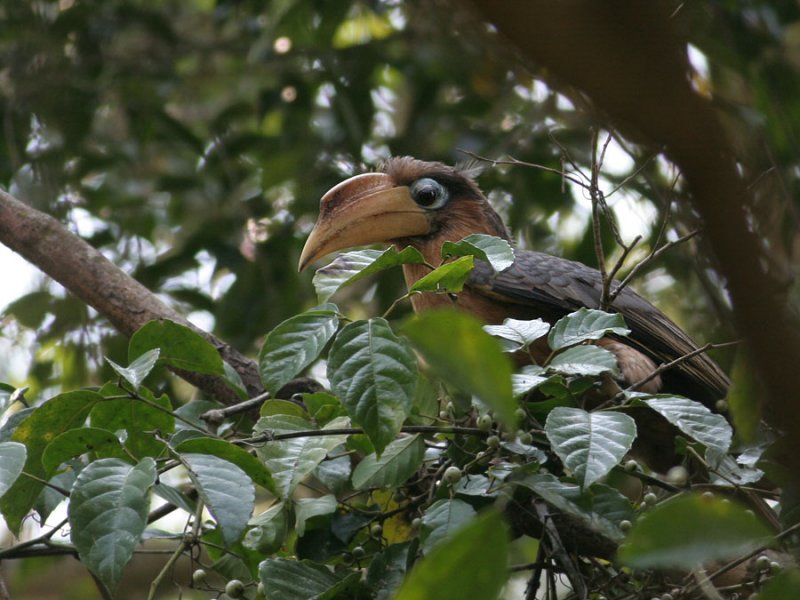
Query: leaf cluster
{"points": [[398, 480]]}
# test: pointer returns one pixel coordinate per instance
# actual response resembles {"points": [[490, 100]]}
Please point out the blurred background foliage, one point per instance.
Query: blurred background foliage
{"points": [[191, 141]]}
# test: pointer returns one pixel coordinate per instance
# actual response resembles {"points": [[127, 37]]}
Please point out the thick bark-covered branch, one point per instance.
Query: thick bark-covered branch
{"points": [[90, 276], [627, 59]]}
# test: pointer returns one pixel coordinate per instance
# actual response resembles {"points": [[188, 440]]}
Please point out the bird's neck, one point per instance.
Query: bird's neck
{"points": [[431, 249]]}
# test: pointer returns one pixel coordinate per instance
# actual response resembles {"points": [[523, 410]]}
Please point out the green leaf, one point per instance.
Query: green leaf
{"points": [[13, 421], [584, 360], [690, 530], [323, 406], [494, 250], [601, 507], [471, 564], [528, 378], [518, 334], [175, 497], [350, 267], [140, 368], [235, 380], [784, 585], [181, 347], [237, 455], [75, 442], [285, 579], [6, 393], [335, 473], [693, 419], [308, 508], [295, 344], [291, 460], [44, 423], [589, 444], [388, 569], [461, 352], [374, 373], [449, 277], [475, 485], [277, 406], [442, 520], [585, 324], [191, 411], [399, 461], [108, 514], [268, 530], [727, 472], [225, 489], [137, 417], [12, 460]]}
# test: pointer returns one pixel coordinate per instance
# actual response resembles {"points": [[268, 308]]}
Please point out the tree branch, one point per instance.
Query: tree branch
{"points": [[91, 277]]}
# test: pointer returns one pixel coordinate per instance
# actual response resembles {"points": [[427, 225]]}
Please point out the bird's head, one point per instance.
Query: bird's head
{"points": [[406, 202]]}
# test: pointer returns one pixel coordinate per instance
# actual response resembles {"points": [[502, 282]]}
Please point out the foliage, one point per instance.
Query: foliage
{"points": [[190, 142], [398, 491]]}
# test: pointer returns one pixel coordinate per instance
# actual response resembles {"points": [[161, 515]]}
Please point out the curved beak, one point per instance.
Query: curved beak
{"points": [[365, 209]]}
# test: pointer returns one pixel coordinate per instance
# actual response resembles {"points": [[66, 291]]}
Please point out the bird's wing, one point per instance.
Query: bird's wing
{"points": [[553, 286]]}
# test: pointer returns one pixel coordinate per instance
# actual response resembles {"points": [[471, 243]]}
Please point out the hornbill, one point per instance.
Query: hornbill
{"points": [[409, 202], [424, 204]]}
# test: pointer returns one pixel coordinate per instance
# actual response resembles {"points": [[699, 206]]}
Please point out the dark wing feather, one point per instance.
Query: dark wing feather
{"points": [[553, 286]]}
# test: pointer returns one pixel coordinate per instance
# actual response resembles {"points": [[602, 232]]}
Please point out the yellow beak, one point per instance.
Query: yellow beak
{"points": [[365, 209]]}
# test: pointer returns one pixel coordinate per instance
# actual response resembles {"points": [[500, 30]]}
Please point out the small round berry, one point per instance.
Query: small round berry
{"points": [[376, 530], [650, 499], [775, 567], [444, 415], [631, 466], [199, 576], [721, 406], [234, 588], [452, 475], [625, 525], [484, 422], [707, 496], [416, 523], [493, 441], [359, 552], [667, 596], [678, 476], [525, 438], [763, 562], [520, 414]]}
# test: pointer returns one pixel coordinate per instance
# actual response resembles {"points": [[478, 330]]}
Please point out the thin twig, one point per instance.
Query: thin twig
{"points": [[651, 257], [560, 553], [268, 436], [536, 577], [42, 539], [167, 567], [631, 176], [511, 161], [626, 250], [566, 156], [664, 367], [735, 563], [594, 193], [217, 415]]}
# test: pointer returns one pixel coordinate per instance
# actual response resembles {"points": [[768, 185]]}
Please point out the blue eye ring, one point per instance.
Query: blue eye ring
{"points": [[429, 193]]}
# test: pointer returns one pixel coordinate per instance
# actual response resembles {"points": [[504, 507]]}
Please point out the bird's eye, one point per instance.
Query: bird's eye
{"points": [[429, 193]]}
